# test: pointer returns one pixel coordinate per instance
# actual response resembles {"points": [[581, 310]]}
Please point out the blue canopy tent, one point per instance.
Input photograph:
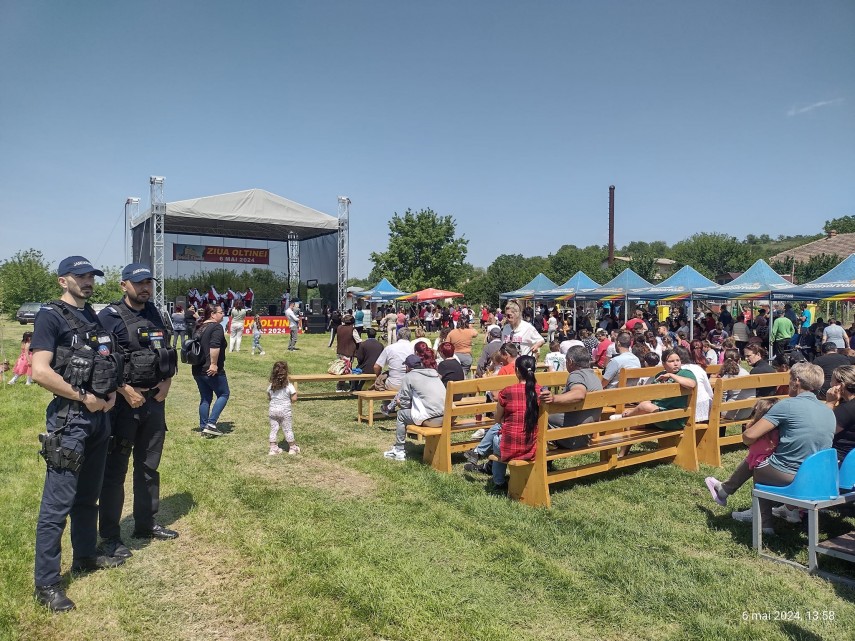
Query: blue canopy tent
{"points": [[760, 282], [836, 284], [533, 289], [382, 292], [679, 286], [568, 290], [616, 289]]}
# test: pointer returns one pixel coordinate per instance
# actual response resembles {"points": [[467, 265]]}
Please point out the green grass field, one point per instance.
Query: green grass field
{"points": [[340, 543]]}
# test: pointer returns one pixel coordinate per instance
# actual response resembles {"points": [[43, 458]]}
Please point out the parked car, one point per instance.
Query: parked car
{"points": [[27, 313]]}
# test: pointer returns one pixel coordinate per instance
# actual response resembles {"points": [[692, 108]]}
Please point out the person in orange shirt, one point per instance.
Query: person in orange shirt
{"points": [[461, 337], [508, 352]]}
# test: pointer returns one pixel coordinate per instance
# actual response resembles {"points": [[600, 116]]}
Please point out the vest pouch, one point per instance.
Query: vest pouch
{"points": [[167, 363], [106, 374], [78, 369], [142, 369]]}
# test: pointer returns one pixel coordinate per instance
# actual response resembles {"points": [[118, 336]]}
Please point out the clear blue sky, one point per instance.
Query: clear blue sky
{"points": [[513, 117]]}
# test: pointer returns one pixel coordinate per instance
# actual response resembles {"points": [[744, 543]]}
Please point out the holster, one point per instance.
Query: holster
{"points": [[57, 456]]}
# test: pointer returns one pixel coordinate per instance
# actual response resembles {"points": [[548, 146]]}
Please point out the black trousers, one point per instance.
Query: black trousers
{"points": [[68, 493], [144, 430]]}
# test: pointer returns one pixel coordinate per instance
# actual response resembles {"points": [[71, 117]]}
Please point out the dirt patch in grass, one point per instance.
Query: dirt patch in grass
{"points": [[316, 473], [207, 585]]}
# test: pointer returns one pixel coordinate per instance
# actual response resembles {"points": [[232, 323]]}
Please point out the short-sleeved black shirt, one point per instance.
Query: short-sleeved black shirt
{"points": [[211, 336], [52, 331], [763, 367]]}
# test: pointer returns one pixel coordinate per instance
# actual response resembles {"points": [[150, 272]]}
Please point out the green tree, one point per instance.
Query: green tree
{"points": [[713, 254], [570, 259], [423, 252], [26, 277], [506, 273], [842, 225], [809, 270], [267, 285], [110, 290]]}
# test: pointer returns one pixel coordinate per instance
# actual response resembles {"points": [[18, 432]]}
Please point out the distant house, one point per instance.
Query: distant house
{"points": [[726, 277], [834, 244], [665, 267]]}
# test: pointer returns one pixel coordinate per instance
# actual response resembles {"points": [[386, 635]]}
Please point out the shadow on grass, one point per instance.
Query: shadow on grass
{"points": [[794, 630], [172, 508]]}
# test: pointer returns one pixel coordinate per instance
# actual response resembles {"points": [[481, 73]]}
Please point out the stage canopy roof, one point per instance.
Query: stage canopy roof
{"points": [[616, 289], [680, 285], [253, 214], [836, 284], [758, 283], [533, 289], [568, 290]]}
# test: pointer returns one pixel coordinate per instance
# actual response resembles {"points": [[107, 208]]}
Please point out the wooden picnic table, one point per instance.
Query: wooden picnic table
{"points": [[322, 378]]}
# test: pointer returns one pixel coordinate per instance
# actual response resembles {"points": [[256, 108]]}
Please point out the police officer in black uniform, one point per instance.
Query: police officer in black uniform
{"points": [[74, 358], [138, 418]]}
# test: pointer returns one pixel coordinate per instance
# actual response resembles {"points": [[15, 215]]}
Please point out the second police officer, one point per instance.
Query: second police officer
{"points": [[138, 418], [76, 360]]}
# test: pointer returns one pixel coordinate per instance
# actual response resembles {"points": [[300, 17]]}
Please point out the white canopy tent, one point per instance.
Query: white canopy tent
{"points": [[250, 215]]}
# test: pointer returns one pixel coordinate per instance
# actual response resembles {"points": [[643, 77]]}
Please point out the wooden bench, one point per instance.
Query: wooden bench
{"points": [[326, 378], [462, 416], [713, 435], [530, 480], [370, 395]]}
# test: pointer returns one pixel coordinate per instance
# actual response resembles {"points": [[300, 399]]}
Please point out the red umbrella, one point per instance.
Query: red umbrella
{"points": [[430, 294]]}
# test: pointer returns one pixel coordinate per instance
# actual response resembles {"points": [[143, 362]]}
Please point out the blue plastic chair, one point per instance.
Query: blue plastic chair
{"points": [[847, 472], [816, 479]]}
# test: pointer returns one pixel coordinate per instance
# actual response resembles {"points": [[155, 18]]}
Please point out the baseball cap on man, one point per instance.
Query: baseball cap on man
{"points": [[495, 332], [78, 266], [413, 362], [137, 272]]}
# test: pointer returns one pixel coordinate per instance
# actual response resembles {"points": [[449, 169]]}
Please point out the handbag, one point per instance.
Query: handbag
{"points": [[339, 366]]}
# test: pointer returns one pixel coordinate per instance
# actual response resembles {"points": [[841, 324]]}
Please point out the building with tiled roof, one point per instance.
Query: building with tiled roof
{"points": [[834, 244]]}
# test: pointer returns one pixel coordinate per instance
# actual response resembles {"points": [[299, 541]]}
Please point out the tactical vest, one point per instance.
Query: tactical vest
{"points": [[92, 363], [148, 357]]}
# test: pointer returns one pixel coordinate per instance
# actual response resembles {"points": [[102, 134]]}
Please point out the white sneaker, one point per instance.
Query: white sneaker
{"points": [[274, 450], [746, 516], [790, 516], [293, 450], [261, 353], [395, 455], [478, 434]]}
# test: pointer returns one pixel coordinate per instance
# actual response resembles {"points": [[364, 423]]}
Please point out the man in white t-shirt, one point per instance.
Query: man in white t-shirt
{"points": [[570, 342], [521, 332], [624, 359], [393, 357], [293, 325]]}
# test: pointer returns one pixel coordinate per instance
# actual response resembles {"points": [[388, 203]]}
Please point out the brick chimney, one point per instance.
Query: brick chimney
{"points": [[832, 233]]}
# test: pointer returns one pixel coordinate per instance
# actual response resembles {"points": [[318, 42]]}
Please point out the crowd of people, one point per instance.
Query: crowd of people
{"points": [[111, 373]]}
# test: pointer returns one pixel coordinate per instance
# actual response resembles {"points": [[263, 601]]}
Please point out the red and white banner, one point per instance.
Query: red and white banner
{"points": [[211, 254], [269, 325]]}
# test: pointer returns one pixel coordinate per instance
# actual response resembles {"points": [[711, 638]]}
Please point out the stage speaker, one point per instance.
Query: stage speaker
{"points": [[316, 324], [316, 306], [181, 300], [271, 310]]}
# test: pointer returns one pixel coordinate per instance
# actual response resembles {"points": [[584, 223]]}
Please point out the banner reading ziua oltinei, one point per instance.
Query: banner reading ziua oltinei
{"points": [[212, 254]]}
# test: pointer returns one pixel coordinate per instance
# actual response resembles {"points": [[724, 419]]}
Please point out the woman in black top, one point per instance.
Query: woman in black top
{"points": [[210, 374], [450, 368], [840, 397]]}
